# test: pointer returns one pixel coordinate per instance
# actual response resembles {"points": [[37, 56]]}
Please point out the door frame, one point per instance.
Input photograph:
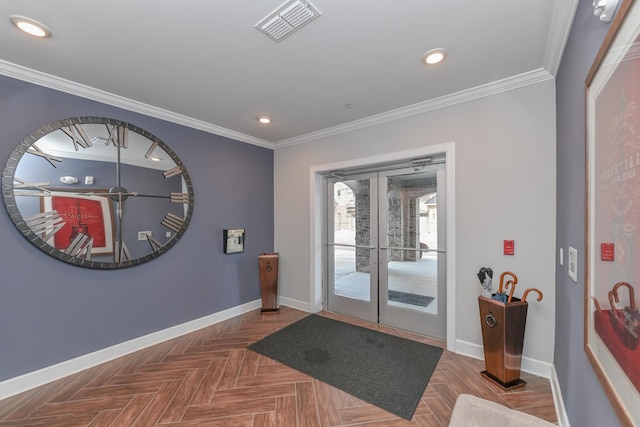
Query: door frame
{"points": [[317, 191]]}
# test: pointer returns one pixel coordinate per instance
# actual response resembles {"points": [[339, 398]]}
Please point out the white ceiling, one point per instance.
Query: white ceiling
{"points": [[204, 64]]}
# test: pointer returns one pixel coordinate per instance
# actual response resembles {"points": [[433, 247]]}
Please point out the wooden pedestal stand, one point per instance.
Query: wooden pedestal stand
{"points": [[503, 337], [268, 263]]}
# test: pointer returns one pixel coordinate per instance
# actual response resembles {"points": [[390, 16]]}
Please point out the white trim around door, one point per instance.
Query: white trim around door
{"points": [[317, 189]]}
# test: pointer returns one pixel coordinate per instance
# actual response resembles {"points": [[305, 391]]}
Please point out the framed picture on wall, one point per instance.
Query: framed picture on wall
{"points": [[83, 212], [612, 270]]}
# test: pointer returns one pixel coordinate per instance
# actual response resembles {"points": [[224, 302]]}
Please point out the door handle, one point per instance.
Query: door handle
{"points": [[442, 251], [352, 246]]}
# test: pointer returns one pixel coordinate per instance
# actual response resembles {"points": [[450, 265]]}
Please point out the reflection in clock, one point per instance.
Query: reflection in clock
{"points": [[97, 192]]}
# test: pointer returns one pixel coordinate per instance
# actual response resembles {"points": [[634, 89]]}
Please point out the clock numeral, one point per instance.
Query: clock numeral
{"points": [[150, 150], [81, 139], [48, 223], [172, 172], [22, 184], [155, 245], [48, 157], [180, 197], [172, 222], [121, 252], [119, 136], [80, 247]]}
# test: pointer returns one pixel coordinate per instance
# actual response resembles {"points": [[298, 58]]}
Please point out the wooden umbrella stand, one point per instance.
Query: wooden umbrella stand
{"points": [[503, 327], [268, 263]]}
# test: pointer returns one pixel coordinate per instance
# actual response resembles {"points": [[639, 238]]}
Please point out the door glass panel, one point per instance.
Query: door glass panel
{"points": [[412, 236], [385, 256], [351, 238]]}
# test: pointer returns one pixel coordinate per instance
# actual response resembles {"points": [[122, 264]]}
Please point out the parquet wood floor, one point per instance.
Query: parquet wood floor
{"points": [[209, 378]]}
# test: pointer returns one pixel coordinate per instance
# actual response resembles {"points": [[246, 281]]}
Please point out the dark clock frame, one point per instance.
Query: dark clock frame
{"points": [[12, 209]]}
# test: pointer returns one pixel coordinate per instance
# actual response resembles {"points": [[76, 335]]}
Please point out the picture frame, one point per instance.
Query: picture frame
{"points": [[612, 270], [84, 211]]}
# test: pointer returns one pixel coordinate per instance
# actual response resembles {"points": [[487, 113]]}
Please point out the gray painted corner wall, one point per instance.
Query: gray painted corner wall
{"points": [[51, 311], [584, 398]]}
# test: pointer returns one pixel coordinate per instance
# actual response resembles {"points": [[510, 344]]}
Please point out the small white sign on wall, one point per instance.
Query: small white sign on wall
{"points": [[573, 263]]}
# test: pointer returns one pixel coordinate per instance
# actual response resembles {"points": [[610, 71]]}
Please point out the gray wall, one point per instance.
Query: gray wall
{"points": [[51, 311], [585, 401]]}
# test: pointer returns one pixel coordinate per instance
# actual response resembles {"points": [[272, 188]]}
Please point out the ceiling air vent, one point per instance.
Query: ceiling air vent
{"points": [[287, 19]]}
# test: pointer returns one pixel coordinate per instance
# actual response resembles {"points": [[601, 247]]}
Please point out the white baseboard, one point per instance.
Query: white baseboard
{"points": [[531, 366], [43, 376], [294, 303], [561, 411]]}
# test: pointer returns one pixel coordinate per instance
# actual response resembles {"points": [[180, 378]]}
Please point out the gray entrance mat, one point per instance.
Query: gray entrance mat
{"points": [[385, 370]]}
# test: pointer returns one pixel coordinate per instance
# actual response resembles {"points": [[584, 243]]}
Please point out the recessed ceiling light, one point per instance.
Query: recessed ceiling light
{"points": [[264, 120], [434, 56], [30, 26]]}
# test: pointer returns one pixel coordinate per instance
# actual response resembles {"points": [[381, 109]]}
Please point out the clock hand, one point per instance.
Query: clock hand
{"points": [[24, 187], [46, 192], [120, 205], [173, 197]]}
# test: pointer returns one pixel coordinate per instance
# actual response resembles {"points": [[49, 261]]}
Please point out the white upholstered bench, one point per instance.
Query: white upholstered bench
{"points": [[473, 411]]}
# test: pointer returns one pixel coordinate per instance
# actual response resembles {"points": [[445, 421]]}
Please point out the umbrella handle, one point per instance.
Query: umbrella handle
{"points": [[513, 288], [632, 297], [614, 310], [526, 293], [515, 280]]}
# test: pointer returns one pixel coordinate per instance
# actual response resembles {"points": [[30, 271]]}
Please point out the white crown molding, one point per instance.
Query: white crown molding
{"points": [[46, 80], [499, 86], [561, 22], [67, 86]]}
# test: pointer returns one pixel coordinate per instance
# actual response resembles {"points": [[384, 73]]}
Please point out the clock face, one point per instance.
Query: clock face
{"points": [[97, 192]]}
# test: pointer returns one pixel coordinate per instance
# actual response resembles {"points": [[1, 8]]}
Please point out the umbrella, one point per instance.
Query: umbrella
{"points": [[501, 296], [485, 275]]}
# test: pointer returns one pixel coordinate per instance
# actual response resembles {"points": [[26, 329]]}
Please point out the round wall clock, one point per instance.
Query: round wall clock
{"points": [[97, 192]]}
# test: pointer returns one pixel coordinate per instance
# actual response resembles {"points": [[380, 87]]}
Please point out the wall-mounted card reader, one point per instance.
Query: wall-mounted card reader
{"points": [[233, 240]]}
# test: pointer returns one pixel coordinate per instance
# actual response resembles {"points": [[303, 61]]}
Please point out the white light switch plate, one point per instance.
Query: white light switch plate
{"points": [[561, 256], [573, 263]]}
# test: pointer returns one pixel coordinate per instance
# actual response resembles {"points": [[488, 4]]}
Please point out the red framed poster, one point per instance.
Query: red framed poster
{"points": [[90, 214], [612, 270]]}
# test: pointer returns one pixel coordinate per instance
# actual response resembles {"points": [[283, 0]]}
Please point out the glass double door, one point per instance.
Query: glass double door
{"points": [[385, 248]]}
